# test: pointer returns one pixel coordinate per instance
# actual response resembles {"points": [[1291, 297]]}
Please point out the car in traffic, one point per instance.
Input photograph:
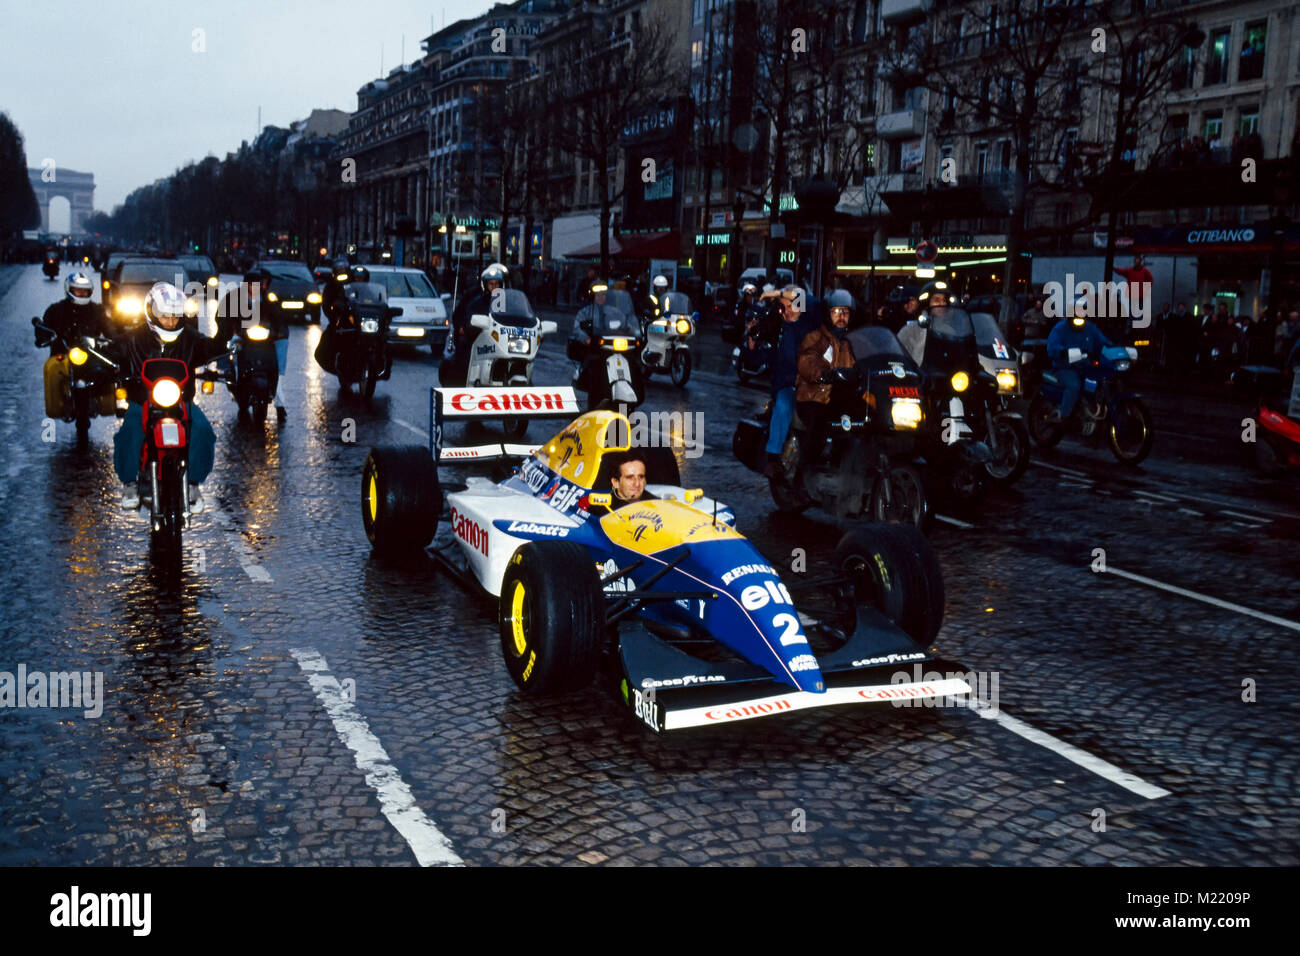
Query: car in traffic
{"points": [[424, 318], [293, 288], [661, 600], [130, 283]]}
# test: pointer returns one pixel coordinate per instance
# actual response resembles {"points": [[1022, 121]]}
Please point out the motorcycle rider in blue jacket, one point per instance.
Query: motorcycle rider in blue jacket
{"points": [[1072, 342]]}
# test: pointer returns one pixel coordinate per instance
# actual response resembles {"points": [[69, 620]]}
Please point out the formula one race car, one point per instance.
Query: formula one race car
{"points": [[691, 624]]}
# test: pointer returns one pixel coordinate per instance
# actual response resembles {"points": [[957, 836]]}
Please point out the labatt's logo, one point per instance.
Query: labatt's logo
{"points": [[469, 531], [502, 400]]}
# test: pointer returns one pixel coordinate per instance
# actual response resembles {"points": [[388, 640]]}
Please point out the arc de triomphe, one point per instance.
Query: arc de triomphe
{"points": [[77, 188]]}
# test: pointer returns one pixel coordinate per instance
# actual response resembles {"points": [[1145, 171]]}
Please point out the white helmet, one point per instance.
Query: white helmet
{"points": [[660, 283], [495, 272], [164, 299], [78, 288]]}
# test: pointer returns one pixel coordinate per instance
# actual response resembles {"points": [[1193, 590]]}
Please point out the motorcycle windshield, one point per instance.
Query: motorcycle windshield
{"points": [[989, 339], [513, 309], [951, 323], [611, 322], [875, 341], [366, 293], [676, 303]]}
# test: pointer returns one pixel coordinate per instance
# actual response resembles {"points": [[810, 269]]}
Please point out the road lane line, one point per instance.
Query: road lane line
{"points": [[953, 521], [1068, 471], [1152, 494], [1217, 602], [430, 846], [243, 550], [1073, 754], [1238, 514], [410, 428], [1189, 511]]}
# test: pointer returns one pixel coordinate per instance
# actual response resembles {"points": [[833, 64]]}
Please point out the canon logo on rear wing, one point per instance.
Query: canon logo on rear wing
{"points": [[495, 401]]}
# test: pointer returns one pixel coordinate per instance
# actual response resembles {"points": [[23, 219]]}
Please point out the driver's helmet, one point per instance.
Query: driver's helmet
{"points": [[358, 274], [748, 289], [934, 294], [78, 288], [839, 299], [495, 272], [341, 270], [599, 287], [1081, 311], [164, 300], [660, 285]]}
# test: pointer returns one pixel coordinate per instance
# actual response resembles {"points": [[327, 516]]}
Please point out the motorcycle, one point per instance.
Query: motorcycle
{"points": [[1004, 423], [360, 339], [252, 374], [51, 267], [956, 391], [88, 388], [867, 464], [603, 370], [1105, 407], [510, 337], [164, 458], [667, 338]]}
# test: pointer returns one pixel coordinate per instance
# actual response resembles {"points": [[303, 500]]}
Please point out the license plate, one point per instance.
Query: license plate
{"points": [[170, 433], [410, 333], [291, 305]]}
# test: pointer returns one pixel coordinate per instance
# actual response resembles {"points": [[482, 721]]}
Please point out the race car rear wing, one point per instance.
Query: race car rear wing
{"points": [[465, 404]]}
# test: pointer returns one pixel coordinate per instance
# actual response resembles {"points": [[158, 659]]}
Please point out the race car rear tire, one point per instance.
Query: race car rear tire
{"points": [[893, 567], [552, 617], [400, 498]]}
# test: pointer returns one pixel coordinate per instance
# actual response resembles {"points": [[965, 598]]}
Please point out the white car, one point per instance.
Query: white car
{"points": [[424, 319]]}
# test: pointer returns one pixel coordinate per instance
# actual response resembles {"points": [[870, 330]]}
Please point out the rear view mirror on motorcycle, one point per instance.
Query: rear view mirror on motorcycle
{"points": [[548, 327], [480, 322]]}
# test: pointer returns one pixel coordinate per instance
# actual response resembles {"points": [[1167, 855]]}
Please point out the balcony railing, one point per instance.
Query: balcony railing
{"points": [[901, 123]]}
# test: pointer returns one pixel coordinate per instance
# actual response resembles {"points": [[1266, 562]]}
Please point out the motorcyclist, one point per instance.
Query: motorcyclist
{"points": [[658, 289], [822, 354], [932, 296], [1071, 342], [70, 318], [163, 335], [267, 313], [334, 308], [796, 324], [748, 314], [455, 364], [894, 315]]}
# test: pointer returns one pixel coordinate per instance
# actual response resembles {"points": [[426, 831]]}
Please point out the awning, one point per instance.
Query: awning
{"points": [[655, 245]]}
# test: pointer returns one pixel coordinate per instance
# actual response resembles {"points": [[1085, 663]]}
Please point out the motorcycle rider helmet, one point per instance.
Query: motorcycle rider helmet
{"points": [[932, 291], [78, 288], [495, 272], [1081, 312], [164, 300], [358, 274], [660, 285], [748, 289]]}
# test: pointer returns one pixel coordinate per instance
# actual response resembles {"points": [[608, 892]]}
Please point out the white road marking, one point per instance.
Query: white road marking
{"points": [[954, 521], [1189, 511], [429, 844], [243, 550], [1068, 471], [410, 428], [1152, 494], [1238, 514], [1217, 602], [1072, 753]]}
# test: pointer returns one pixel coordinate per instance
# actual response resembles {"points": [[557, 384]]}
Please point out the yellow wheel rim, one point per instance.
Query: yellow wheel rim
{"points": [[517, 618], [372, 498]]}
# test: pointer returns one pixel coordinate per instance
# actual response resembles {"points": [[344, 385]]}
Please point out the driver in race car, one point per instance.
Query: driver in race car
{"points": [[1072, 342], [627, 483]]}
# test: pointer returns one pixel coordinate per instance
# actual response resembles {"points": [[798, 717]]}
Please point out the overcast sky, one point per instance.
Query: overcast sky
{"points": [[113, 87]]}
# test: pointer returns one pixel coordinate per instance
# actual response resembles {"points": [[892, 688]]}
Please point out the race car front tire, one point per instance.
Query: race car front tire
{"points": [[893, 567], [400, 498], [552, 617]]}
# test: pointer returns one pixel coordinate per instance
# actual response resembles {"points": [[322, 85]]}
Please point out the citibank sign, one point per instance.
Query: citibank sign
{"points": [[1221, 235]]}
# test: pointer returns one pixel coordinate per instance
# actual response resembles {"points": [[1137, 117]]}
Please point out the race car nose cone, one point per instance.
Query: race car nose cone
{"points": [[807, 673]]}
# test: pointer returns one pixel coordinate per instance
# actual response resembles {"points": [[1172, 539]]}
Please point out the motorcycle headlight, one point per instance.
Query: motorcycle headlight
{"points": [[1122, 365], [683, 326], [212, 282], [313, 298], [370, 325], [518, 345], [77, 356], [165, 393], [257, 333], [272, 297], [1006, 380], [620, 345], [960, 381], [191, 308], [905, 412], [129, 305]]}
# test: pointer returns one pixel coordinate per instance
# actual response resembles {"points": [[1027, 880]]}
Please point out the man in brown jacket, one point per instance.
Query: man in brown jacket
{"points": [[823, 351]]}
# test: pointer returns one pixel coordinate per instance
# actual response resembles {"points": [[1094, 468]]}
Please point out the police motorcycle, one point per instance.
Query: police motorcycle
{"points": [[509, 337], [867, 465], [667, 338], [88, 385], [1106, 408], [1004, 424], [956, 394], [51, 266], [361, 355], [604, 334], [251, 372], [757, 349]]}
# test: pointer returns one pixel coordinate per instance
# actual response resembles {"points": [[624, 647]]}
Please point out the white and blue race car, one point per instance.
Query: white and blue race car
{"points": [[664, 597]]}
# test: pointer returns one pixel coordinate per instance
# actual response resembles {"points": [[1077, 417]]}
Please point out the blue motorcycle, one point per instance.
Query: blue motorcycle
{"points": [[1106, 408]]}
